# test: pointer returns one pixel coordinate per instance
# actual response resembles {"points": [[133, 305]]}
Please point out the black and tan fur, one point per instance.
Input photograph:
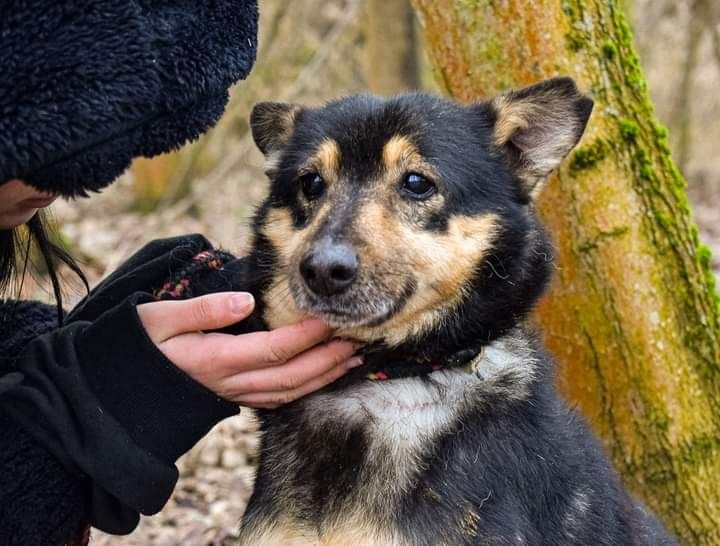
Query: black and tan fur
{"points": [[457, 457]]}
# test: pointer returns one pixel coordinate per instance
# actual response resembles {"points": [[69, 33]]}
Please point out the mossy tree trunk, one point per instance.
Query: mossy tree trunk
{"points": [[633, 313]]}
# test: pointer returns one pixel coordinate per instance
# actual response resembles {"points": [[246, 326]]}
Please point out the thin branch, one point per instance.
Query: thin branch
{"points": [[716, 43], [682, 110]]}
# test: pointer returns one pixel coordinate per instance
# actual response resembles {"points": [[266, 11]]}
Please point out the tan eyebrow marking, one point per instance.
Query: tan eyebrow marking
{"points": [[399, 149], [400, 154], [325, 160]]}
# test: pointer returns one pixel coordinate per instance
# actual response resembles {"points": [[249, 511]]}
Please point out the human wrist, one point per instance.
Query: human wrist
{"points": [[162, 408]]}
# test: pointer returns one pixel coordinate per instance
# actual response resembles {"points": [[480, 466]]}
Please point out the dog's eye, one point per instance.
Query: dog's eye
{"points": [[312, 185], [417, 186]]}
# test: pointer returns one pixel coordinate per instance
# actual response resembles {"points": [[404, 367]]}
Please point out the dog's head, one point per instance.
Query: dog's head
{"points": [[409, 220]]}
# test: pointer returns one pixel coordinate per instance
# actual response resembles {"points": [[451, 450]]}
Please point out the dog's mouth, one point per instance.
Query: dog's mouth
{"points": [[363, 305]]}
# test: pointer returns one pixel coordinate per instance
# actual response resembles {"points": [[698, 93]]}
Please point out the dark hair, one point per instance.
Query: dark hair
{"points": [[15, 248]]}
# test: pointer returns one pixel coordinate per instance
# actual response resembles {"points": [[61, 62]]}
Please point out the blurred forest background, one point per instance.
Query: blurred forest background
{"points": [[310, 51]]}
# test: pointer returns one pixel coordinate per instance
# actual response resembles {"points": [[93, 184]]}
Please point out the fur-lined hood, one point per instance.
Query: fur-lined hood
{"points": [[87, 85]]}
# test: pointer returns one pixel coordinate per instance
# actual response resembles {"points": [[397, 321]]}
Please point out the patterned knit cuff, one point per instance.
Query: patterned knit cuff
{"points": [[182, 283]]}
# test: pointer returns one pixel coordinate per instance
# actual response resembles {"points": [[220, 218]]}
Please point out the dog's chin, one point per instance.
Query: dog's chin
{"points": [[338, 312], [337, 320], [349, 317]]}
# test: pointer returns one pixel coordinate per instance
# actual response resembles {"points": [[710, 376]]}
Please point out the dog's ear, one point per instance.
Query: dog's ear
{"points": [[537, 126], [272, 124]]}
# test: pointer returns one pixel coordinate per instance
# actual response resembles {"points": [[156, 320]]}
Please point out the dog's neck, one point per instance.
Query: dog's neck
{"points": [[388, 366], [384, 364], [434, 352]]}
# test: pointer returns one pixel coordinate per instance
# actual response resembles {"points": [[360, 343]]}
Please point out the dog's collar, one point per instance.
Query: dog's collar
{"points": [[381, 367]]}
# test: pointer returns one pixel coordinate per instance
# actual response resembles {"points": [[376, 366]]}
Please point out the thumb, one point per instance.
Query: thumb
{"points": [[165, 319]]}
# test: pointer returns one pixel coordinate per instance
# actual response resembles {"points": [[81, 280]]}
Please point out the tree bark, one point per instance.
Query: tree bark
{"points": [[633, 314]]}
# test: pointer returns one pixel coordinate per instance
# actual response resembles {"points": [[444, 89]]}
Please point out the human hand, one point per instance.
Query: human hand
{"points": [[259, 369]]}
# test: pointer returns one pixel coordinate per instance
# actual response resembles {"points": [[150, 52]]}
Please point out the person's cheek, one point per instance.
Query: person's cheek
{"points": [[19, 202], [10, 219]]}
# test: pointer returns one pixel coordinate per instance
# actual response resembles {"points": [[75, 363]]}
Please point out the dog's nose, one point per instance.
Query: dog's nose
{"points": [[329, 268]]}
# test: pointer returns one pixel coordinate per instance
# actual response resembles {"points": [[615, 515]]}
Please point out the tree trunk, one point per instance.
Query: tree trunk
{"points": [[391, 54], [681, 115], [633, 315], [152, 180]]}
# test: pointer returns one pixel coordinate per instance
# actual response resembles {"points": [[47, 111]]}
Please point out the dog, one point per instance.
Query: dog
{"points": [[408, 224]]}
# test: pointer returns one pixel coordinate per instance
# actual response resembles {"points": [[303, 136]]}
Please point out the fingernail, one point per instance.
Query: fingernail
{"points": [[354, 362], [241, 303], [357, 346]]}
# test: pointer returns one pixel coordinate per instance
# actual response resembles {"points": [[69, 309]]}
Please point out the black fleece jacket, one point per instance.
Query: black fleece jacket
{"points": [[92, 415]]}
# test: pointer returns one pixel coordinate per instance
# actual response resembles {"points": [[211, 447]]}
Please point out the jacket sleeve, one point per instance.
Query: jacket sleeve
{"points": [[41, 503], [101, 398]]}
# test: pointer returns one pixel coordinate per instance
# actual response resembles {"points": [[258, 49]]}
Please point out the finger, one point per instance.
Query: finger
{"points": [[165, 319], [294, 373], [272, 400], [259, 350]]}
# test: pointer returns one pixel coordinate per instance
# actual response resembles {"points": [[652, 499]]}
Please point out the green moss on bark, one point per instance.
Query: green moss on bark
{"points": [[576, 39], [589, 155], [653, 164], [609, 50], [629, 130]]}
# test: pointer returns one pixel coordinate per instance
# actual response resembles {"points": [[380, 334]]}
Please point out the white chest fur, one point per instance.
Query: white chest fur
{"points": [[401, 419]]}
